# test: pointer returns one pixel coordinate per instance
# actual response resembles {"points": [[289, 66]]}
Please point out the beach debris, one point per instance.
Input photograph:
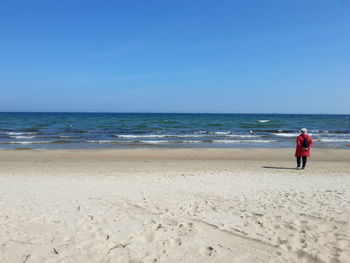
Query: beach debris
{"points": [[239, 231], [258, 214], [124, 245], [107, 237], [27, 257], [118, 246], [91, 217], [55, 251]]}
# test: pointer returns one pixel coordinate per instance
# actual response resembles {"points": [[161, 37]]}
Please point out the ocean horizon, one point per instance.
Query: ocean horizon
{"points": [[155, 112]]}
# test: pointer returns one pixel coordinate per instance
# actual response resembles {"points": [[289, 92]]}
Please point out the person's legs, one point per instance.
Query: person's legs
{"points": [[304, 161], [298, 162]]}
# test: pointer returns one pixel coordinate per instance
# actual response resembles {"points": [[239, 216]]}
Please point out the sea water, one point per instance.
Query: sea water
{"points": [[128, 130]]}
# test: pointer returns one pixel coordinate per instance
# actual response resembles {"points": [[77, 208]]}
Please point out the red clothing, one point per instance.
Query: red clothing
{"points": [[300, 151]]}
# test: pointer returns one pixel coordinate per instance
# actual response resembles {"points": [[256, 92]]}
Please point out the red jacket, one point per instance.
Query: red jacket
{"points": [[300, 151]]}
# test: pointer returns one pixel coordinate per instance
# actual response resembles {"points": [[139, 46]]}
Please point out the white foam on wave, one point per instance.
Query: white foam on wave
{"points": [[286, 134], [152, 142], [243, 141], [190, 136], [22, 137], [221, 133], [140, 136], [101, 141], [29, 142], [168, 142], [334, 140], [144, 141], [20, 133], [159, 136], [294, 134], [242, 136], [192, 141], [335, 135], [263, 121]]}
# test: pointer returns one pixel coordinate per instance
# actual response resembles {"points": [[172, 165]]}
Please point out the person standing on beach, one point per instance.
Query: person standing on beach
{"points": [[304, 145]]}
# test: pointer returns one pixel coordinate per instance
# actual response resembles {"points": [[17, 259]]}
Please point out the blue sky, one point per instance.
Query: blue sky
{"points": [[175, 56]]}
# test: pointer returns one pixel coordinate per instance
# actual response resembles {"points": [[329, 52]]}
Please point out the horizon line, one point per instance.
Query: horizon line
{"points": [[139, 112]]}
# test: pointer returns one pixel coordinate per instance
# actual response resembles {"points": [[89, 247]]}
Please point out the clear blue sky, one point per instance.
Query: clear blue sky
{"points": [[175, 56]]}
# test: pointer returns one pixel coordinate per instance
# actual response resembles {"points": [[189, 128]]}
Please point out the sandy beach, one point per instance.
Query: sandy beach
{"points": [[174, 205]]}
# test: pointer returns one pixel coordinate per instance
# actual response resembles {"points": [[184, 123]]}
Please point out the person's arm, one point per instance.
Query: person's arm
{"points": [[311, 142], [298, 142]]}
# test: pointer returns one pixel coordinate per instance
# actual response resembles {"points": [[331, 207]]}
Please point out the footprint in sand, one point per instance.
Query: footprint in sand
{"points": [[207, 251], [149, 237], [174, 242]]}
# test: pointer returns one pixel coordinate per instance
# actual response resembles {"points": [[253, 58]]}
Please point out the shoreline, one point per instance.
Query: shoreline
{"points": [[189, 153]]}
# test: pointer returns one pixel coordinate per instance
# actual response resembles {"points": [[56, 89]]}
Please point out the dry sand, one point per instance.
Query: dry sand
{"points": [[174, 205]]}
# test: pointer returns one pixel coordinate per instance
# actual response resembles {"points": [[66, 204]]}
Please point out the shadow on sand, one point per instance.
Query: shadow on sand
{"points": [[281, 168]]}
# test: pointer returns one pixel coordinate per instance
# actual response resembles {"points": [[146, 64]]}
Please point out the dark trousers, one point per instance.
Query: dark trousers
{"points": [[299, 161]]}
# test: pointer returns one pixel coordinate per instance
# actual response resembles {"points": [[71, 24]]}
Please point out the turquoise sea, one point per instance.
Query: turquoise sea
{"points": [[128, 130]]}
